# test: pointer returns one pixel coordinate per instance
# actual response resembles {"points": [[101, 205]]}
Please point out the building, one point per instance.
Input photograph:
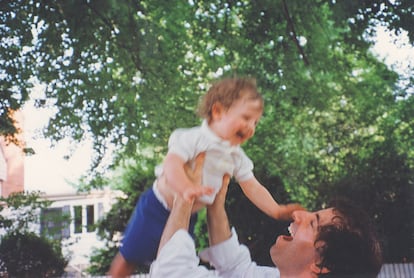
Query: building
{"points": [[12, 161], [78, 213], [71, 216]]}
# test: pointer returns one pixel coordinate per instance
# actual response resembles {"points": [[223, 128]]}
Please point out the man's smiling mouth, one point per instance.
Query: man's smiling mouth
{"points": [[289, 236], [291, 231]]}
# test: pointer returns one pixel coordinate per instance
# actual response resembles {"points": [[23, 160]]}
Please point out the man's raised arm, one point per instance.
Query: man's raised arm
{"points": [[218, 222]]}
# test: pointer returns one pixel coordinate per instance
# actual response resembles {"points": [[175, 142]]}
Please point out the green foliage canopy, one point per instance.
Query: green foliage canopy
{"points": [[108, 65]]}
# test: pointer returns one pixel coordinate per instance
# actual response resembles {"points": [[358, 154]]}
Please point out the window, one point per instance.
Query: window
{"points": [[77, 219], [54, 223], [90, 218], [84, 217]]}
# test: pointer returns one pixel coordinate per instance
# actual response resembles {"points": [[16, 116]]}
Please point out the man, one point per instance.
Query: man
{"points": [[335, 242]]}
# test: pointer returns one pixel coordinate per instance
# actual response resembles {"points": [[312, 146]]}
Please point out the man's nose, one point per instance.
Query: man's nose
{"points": [[298, 215]]}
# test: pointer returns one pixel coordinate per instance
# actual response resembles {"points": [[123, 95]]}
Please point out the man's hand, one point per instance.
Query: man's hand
{"points": [[181, 209], [195, 176], [221, 195]]}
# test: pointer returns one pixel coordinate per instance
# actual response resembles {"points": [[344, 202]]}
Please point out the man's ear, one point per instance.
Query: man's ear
{"points": [[317, 269], [216, 111]]}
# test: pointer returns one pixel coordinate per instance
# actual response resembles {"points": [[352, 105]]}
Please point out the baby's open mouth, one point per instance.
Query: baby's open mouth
{"points": [[240, 134]]}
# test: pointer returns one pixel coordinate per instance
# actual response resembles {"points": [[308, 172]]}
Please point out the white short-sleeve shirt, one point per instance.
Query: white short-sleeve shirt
{"points": [[221, 157]]}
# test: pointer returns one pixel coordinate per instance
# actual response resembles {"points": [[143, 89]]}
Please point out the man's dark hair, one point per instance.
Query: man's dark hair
{"points": [[349, 247]]}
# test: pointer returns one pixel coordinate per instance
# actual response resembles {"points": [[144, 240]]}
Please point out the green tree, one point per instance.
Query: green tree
{"points": [[22, 251], [28, 255], [20, 211]]}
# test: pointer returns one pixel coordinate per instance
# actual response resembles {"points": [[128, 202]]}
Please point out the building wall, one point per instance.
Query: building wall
{"points": [[79, 243], [12, 162]]}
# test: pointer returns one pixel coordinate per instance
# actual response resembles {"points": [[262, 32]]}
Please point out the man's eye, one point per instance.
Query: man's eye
{"points": [[314, 224]]}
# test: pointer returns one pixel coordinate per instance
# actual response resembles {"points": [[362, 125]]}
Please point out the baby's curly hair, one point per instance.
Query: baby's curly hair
{"points": [[227, 91]]}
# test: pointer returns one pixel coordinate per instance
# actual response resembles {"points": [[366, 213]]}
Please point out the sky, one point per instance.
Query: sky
{"points": [[49, 172], [396, 51]]}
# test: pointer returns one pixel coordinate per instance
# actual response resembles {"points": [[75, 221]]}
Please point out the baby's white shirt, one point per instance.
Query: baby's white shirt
{"points": [[221, 157]]}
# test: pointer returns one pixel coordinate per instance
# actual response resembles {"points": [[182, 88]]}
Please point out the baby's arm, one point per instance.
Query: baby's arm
{"points": [[174, 171], [261, 197]]}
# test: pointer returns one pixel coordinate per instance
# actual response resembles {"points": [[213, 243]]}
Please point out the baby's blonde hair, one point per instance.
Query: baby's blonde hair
{"points": [[227, 91]]}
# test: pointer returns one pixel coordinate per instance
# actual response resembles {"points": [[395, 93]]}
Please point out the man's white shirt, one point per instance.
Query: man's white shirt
{"points": [[178, 259]]}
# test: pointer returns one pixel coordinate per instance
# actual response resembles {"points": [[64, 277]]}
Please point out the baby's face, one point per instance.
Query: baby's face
{"points": [[238, 123]]}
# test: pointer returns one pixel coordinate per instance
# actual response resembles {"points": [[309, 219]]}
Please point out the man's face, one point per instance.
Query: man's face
{"points": [[296, 253]]}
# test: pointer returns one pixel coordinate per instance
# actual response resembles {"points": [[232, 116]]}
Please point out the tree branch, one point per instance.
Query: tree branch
{"points": [[291, 27], [111, 26]]}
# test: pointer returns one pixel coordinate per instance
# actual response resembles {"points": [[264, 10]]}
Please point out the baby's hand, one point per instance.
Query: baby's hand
{"points": [[196, 191], [284, 212]]}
